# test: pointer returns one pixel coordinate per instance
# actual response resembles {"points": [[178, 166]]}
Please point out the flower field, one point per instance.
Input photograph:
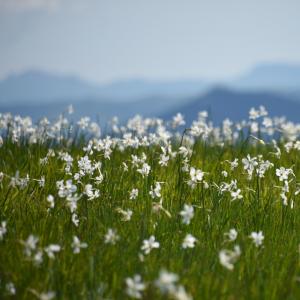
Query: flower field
{"points": [[150, 209]]}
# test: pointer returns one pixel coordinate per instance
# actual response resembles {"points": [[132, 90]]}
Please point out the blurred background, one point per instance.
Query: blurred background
{"points": [[155, 58]]}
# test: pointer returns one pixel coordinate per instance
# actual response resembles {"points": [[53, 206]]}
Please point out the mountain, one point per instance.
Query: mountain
{"points": [[135, 89], [41, 87], [220, 102], [224, 103], [272, 77], [37, 87], [38, 94]]}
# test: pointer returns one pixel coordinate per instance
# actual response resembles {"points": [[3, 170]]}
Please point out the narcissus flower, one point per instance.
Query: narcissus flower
{"points": [[150, 244], [135, 286], [77, 245], [189, 241], [187, 214], [257, 238]]}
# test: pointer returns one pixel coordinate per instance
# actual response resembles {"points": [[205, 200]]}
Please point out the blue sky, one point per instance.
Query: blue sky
{"points": [[118, 39]]}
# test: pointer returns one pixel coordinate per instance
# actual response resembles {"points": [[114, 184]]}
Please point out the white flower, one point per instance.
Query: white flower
{"points": [[187, 213], [43, 296], [50, 199], [77, 245], [150, 244], [184, 151], [41, 181], [30, 244], [85, 166], [44, 161], [52, 249], [90, 192], [72, 202], [189, 241], [125, 167], [178, 120], [254, 127], [233, 164], [255, 114], [164, 159], [249, 164], [38, 257], [135, 160], [134, 287], [232, 234], [155, 192], [200, 128], [83, 123], [236, 195], [145, 170], [228, 258], [224, 173], [267, 122], [257, 238], [195, 177], [181, 294], [68, 160], [166, 281], [75, 219], [126, 214], [263, 167], [111, 237], [95, 129], [133, 194], [262, 111], [10, 287], [283, 173], [47, 296], [67, 189], [3, 230], [99, 178]]}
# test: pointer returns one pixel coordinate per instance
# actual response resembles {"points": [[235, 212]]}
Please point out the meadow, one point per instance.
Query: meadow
{"points": [[149, 209]]}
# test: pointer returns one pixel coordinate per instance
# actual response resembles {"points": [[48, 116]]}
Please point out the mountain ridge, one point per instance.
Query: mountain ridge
{"points": [[34, 86], [37, 86], [225, 103]]}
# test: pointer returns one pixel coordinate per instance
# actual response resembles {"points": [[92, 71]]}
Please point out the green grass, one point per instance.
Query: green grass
{"points": [[271, 271]]}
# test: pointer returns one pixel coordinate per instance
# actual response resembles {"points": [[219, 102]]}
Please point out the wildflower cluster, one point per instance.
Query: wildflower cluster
{"points": [[149, 209]]}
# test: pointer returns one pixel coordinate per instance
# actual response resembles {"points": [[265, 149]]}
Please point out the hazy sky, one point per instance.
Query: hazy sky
{"points": [[114, 39]]}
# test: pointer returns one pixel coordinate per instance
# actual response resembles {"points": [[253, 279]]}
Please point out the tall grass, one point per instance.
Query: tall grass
{"points": [[270, 271]]}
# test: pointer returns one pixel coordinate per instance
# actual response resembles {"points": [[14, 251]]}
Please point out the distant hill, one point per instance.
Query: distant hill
{"points": [[38, 94], [274, 77], [223, 103], [220, 102], [136, 89], [41, 87]]}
